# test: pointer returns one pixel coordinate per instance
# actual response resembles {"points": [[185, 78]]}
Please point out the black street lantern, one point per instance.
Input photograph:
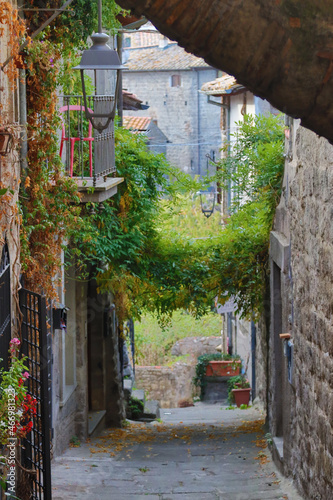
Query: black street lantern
{"points": [[207, 201], [100, 57], [6, 140]]}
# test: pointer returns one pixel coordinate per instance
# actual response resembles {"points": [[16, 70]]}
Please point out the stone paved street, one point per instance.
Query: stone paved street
{"points": [[198, 453]]}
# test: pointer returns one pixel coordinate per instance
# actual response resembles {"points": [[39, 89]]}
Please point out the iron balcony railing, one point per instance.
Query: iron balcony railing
{"points": [[85, 152]]}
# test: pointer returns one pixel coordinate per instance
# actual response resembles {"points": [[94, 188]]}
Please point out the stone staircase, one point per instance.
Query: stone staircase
{"points": [[151, 408]]}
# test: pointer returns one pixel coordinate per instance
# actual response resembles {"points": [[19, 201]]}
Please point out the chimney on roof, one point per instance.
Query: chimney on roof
{"points": [[163, 42]]}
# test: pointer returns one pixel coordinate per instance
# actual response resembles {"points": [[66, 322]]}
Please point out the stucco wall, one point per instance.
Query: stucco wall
{"points": [[301, 411]]}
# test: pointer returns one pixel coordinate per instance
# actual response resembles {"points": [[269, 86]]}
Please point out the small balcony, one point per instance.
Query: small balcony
{"points": [[88, 156]]}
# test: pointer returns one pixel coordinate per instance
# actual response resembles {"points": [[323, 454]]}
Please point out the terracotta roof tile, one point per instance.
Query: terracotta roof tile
{"points": [[171, 57], [136, 123]]}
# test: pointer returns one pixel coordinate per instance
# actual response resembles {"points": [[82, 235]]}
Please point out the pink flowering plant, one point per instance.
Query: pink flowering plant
{"points": [[17, 408]]}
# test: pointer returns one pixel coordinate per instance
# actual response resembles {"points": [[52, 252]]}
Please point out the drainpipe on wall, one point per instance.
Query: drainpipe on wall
{"points": [[198, 122], [23, 122], [228, 152], [225, 134], [120, 91], [253, 358]]}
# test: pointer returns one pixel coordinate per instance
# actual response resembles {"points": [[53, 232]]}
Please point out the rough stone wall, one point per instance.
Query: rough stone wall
{"points": [[70, 410], [304, 218], [190, 124], [168, 385], [63, 412], [196, 346], [171, 385], [261, 361]]}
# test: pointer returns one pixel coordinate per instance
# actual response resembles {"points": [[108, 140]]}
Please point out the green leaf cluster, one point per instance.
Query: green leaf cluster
{"points": [[151, 252], [153, 344]]}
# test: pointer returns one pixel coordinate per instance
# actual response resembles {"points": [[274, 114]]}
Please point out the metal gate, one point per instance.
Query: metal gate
{"points": [[36, 345], [5, 297]]}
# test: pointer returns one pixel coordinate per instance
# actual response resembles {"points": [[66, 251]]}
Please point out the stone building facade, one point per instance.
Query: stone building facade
{"points": [[87, 384], [300, 395], [168, 80]]}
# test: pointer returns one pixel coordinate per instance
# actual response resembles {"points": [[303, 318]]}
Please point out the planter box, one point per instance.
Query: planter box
{"points": [[223, 368], [242, 396]]}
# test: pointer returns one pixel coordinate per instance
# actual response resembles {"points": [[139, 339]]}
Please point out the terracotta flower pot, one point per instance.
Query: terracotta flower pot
{"points": [[242, 396], [223, 368]]}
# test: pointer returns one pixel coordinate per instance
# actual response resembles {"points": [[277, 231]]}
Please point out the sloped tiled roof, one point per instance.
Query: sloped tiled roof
{"points": [[171, 57], [224, 85], [136, 123], [132, 102]]}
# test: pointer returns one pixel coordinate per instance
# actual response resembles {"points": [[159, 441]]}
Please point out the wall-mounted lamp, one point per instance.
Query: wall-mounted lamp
{"points": [[207, 202], [6, 140], [100, 58]]}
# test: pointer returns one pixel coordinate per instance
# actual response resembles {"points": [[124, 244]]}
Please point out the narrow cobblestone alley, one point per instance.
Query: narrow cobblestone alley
{"points": [[200, 453]]}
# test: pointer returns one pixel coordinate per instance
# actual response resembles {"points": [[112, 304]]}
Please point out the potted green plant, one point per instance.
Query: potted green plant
{"points": [[226, 366], [239, 390], [208, 365]]}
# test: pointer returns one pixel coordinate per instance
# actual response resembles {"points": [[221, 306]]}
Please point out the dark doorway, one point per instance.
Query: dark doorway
{"points": [[5, 309], [278, 349]]}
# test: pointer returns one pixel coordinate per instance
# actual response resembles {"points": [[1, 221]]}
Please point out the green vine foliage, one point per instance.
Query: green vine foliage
{"points": [[254, 170], [78, 22], [128, 242], [124, 244], [149, 265], [49, 200], [187, 271]]}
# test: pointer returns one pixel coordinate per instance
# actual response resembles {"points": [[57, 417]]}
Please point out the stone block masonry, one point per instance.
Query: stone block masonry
{"points": [[168, 385], [173, 385], [196, 346], [303, 416], [190, 123]]}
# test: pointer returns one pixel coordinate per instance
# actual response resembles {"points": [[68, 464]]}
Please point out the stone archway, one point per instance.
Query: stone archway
{"points": [[281, 50]]}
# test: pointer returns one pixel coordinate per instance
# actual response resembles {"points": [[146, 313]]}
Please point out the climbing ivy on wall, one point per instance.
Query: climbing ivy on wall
{"points": [[49, 199], [15, 26]]}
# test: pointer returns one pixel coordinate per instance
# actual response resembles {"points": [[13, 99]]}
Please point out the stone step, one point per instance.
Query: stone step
{"points": [[138, 394], [128, 388], [96, 422], [151, 410]]}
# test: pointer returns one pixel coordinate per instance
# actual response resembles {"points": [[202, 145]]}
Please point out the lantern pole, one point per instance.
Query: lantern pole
{"points": [[99, 16]]}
